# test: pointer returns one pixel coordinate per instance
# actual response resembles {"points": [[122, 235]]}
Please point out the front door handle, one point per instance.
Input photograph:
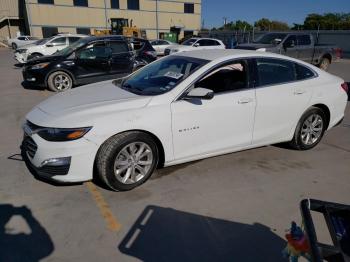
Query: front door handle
{"points": [[299, 92], [245, 100]]}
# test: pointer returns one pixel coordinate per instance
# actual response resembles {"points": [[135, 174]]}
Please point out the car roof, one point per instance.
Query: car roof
{"points": [[105, 37], [221, 54]]}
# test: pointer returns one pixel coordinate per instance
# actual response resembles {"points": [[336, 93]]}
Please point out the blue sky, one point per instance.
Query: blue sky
{"points": [[290, 11]]}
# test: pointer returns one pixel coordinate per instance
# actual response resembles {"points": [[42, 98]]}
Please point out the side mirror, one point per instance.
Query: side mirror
{"points": [[49, 45], [276, 41], [196, 45], [200, 93]]}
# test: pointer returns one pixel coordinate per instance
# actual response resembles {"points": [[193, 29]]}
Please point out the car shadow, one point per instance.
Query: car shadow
{"points": [[166, 234], [28, 86], [16, 247]]}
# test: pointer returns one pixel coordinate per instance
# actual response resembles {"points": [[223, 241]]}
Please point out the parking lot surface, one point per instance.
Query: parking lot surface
{"points": [[235, 207]]}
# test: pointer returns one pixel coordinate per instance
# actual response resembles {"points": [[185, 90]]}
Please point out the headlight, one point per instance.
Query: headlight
{"points": [[40, 66], [21, 51], [63, 134], [261, 49]]}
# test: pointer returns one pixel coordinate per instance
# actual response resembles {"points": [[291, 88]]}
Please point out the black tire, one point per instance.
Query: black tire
{"points": [[14, 46], [324, 63], [34, 55], [297, 142], [107, 154], [66, 84]]}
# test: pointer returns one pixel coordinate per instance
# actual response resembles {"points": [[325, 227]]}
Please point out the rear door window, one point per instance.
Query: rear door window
{"points": [[118, 47], [73, 39], [59, 41], [272, 71]]}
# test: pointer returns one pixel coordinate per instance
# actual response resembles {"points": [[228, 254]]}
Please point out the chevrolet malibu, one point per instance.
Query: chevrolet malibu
{"points": [[178, 109]]}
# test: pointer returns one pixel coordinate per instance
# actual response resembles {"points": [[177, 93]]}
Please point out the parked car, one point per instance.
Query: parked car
{"points": [[91, 59], [160, 45], [46, 46], [22, 40], [195, 43], [143, 50], [297, 45], [181, 108]]}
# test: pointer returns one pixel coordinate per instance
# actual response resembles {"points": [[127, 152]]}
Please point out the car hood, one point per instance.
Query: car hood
{"points": [[84, 105], [253, 46], [180, 47], [43, 59]]}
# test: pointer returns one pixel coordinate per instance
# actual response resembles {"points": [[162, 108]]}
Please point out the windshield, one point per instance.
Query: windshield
{"points": [[190, 41], [161, 76], [269, 38], [72, 47], [43, 41]]}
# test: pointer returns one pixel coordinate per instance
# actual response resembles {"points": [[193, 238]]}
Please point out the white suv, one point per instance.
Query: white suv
{"points": [[195, 43], [46, 46]]}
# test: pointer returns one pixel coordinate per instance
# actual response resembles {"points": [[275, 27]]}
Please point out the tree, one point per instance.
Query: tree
{"points": [[263, 24], [279, 26], [237, 25], [328, 21]]}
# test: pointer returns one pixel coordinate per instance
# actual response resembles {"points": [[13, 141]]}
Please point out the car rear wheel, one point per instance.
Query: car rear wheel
{"points": [[310, 129], [324, 64], [14, 46], [59, 81], [127, 160]]}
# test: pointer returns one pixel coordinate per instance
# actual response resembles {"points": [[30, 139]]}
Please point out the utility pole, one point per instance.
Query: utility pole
{"points": [[157, 25], [106, 18], [225, 21]]}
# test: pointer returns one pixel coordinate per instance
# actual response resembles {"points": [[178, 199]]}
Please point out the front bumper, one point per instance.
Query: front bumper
{"points": [[34, 77], [21, 57], [81, 154]]}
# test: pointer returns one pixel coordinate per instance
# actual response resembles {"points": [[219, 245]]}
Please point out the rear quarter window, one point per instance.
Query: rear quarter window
{"points": [[303, 72]]}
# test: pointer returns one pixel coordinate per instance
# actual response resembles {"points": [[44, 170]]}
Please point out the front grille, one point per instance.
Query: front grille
{"points": [[166, 51], [29, 146], [55, 170]]}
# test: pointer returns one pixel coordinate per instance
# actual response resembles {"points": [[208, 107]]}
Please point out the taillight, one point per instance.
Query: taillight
{"points": [[345, 87], [151, 53]]}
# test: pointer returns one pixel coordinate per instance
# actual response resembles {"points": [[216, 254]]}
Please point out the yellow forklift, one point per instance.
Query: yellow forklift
{"points": [[120, 26]]}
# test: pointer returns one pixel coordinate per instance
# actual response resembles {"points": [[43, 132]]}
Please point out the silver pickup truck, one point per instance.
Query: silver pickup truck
{"points": [[297, 45]]}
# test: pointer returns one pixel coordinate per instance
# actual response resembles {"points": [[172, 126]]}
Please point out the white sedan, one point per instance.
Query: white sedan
{"points": [[160, 45], [22, 40], [178, 109], [195, 43]]}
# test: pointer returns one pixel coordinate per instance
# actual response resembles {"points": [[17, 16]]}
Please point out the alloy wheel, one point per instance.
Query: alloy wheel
{"points": [[62, 82], [312, 129], [133, 162]]}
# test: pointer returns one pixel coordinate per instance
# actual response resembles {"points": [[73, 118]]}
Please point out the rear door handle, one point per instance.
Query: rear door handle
{"points": [[245, 100]]}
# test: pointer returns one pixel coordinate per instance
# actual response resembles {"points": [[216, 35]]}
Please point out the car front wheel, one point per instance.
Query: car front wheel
{"points": [[127, 160], [14, 46], [310, 129], [59, 81]]}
